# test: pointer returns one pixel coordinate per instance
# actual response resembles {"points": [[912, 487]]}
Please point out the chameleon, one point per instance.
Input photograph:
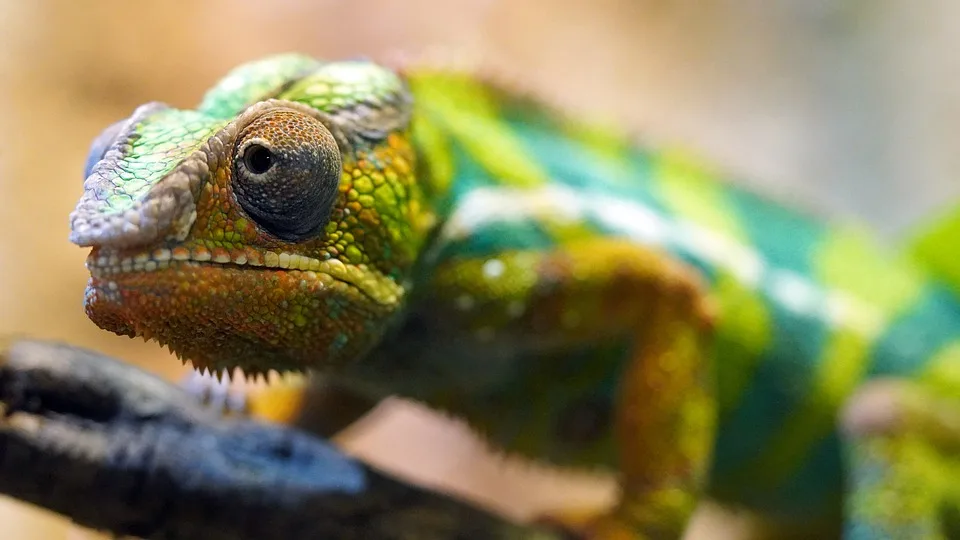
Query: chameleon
{"points": [[578, 298]]}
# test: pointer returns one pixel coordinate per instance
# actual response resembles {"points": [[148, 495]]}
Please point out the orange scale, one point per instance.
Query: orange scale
{"points": [[369, 217]]}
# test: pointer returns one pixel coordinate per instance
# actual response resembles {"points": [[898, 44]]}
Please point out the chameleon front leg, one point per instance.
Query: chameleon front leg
{"points": [[497, 313], [902, 446], [664, 422]]}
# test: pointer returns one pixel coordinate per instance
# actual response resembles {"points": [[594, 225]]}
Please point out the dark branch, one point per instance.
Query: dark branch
{"points": [[117, 449]]}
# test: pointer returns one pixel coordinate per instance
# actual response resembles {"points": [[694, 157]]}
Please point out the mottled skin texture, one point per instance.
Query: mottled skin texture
{"points": [[577, 299]]}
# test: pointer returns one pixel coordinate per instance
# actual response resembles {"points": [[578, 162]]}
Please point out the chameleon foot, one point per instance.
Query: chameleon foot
{"points": [[216, 395], [902, 441]]}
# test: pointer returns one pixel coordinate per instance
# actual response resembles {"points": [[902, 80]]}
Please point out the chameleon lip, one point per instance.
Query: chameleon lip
{"points": [[103, 263]]}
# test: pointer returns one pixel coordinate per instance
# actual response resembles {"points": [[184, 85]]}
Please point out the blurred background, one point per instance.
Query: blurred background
{"points": [[845, 107]]}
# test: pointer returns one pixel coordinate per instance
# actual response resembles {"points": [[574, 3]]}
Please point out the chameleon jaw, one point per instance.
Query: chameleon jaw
{"points": [[228, 316]]}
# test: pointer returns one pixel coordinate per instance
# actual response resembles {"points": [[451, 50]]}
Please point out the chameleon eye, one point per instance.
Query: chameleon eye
{"points": [[287, 170], [100, 145]]}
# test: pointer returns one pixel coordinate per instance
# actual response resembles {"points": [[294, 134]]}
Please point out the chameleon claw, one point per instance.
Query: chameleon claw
{"points": [[215, 392]]}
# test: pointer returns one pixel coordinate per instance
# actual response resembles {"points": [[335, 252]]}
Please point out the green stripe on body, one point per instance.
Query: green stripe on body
{"points": [[694, 193], [848, 262], [437, 165], [942, 373], [468, 111]]}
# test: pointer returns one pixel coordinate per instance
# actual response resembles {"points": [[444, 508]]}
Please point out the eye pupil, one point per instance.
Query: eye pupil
{"points": [[258, 159]]}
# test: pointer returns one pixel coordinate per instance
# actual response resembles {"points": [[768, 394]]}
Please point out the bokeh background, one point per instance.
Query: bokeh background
{"points": [[846, 107]]}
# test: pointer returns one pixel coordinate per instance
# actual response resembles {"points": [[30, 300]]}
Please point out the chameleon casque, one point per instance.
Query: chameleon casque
{"points": [[577, 299]]}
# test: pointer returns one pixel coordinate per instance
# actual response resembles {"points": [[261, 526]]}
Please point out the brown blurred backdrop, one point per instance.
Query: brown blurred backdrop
{"points": [[847, 107]]}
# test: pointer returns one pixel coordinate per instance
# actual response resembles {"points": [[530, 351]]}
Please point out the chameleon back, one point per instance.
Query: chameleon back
{"points": [[808, 310]]}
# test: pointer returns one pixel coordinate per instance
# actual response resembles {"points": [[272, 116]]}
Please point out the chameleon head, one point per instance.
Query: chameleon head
{"points": [[275, 225]]}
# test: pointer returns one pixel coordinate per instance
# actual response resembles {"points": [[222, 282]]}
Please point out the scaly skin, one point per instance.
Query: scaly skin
{"points": [[577, 299]]}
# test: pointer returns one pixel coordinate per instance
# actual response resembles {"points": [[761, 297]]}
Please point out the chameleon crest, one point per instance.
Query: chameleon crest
{"points": [[290, 190]]}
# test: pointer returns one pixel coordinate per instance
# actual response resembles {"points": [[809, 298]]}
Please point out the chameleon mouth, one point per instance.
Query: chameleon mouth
{"points": [[104, 263]]}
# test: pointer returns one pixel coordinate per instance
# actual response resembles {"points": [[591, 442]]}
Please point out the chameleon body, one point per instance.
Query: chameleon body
{"points": [[576, 298]]}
